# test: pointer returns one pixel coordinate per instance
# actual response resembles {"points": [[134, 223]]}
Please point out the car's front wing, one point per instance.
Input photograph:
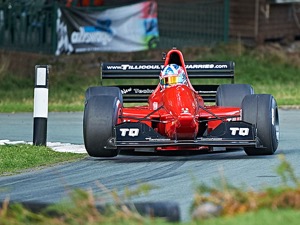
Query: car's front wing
{"points": [[233, 133]]}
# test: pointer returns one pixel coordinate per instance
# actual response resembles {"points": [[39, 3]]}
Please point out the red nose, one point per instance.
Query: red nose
{"points": [[181, 103]]}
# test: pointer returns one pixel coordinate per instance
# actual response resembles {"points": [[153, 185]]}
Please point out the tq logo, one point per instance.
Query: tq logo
{"points": [[239, 131], [131, 132]]}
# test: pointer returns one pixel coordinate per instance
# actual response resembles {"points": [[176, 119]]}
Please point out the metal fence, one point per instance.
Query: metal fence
{"points": [[32, 27], [193, 23], [27, 27]]}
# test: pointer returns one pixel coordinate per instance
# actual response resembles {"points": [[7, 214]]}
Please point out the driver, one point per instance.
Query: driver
{"points": [[172, 74]]}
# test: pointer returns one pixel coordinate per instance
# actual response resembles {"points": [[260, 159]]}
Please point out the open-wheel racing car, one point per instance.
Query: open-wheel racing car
{"points": [[178, 115]]}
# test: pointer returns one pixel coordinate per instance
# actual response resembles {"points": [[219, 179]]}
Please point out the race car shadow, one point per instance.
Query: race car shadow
{"points": [[183, 156], [177, 153]]}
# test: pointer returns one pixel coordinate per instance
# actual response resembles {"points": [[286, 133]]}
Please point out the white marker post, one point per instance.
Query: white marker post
{"points": [[40, 108]]}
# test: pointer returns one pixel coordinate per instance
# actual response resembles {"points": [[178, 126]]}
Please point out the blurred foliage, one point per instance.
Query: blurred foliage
{"points": [[236, 200]]}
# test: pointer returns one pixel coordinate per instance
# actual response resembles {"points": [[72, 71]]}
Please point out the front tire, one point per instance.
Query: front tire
{"points": [[262, 111], [101, 114], [103, 90]]}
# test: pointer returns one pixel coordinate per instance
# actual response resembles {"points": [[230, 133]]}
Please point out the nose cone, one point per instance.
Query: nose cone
{"points": [[179, 99], [181, 103]]}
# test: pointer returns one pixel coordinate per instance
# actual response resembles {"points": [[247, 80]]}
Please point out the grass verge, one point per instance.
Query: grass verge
{"points": [[17, 158], [260, 217]]}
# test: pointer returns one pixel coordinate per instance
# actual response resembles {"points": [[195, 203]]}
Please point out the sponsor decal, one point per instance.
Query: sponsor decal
{"points": [[206, 66], [184, 110], [160, 67], [141, 67], [239, 131], [238, 118], [131, 132], [157, 139], [87, 37], [136, 91], [134, 67], [209, 139], [146, 91], [125, 91]]}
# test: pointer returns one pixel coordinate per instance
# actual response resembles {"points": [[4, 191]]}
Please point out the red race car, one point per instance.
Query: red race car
{"points": [[178, 115]]}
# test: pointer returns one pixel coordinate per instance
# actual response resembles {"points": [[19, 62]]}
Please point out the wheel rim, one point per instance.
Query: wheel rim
{"points": [[275, 122]]}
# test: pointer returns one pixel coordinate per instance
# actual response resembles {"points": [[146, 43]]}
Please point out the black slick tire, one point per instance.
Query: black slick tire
{"points": [[232, 94], [101, 114], [262, 111], [102, 90]]}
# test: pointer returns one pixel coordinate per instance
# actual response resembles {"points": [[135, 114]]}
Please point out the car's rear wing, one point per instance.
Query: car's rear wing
{"points": [[151, 70]]}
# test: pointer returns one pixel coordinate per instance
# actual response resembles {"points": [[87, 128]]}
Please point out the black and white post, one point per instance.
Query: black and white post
{"points": [[40, 108]]}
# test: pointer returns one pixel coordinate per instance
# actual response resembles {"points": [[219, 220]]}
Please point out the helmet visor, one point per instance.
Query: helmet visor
{"points": [[170, 80]]}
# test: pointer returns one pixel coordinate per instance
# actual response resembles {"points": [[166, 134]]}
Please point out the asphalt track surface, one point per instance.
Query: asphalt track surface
{"points": [[174, 176]]}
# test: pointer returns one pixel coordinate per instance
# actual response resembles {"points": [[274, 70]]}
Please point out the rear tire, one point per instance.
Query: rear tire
{"points": [[262, 111], [232, 94], [101, 114], [102, 90]]}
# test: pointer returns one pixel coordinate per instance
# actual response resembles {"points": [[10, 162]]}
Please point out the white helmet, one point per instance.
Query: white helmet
{"points": [[171, 75]]}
